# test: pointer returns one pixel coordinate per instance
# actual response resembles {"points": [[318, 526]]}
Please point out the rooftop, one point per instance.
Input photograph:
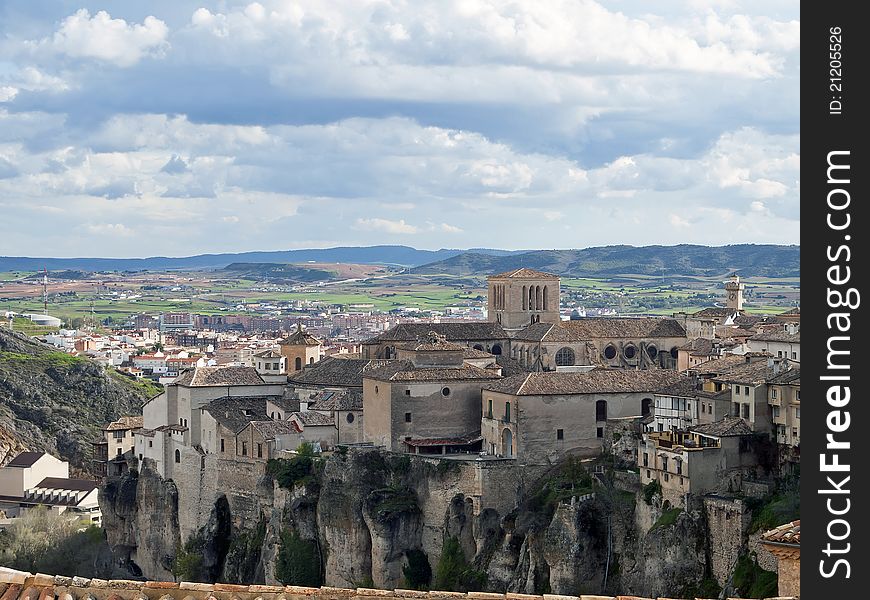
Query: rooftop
{"points": [[25, 459], [235, 413], [624, 327], [329, 400], [788, 533], [524, 273], [547, 332], [411, 332], [62, 483], [404, 370], [300, 338], [218, 376], [313, 419], [124, 423], [336, 372], [727, 427], [598, 381]]}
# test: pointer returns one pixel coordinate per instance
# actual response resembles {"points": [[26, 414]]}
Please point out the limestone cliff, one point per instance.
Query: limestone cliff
{"points": [[368, 518]]}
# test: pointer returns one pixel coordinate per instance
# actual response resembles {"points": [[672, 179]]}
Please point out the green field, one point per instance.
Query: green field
{"points": [[627, 294]]}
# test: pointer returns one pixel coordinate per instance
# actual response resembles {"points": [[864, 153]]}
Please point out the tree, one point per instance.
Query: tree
{"points": [[30, 541]]}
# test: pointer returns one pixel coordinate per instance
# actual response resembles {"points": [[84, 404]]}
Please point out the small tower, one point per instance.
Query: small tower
{"points": [[300, 349], [734, 290]]}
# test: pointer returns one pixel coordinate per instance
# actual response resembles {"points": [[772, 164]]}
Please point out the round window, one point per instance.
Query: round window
{"points": [[445, 391], [610, 353], [674, 353], [629, 351], [349, 417], [652, 351]]}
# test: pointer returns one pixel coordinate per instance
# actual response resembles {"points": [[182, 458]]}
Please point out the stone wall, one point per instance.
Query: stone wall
{"points": [[15, 585], [727, 523]]}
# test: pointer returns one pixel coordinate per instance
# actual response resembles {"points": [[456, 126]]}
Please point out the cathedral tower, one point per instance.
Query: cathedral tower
{"points": [[523, 296]]}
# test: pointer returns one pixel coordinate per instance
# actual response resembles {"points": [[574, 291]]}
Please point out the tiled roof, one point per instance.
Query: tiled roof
{"points": [[336, 372], [404, 370], [474, 353], [624, 327], [510, 366], [524, 273], [714, 312], [268, 354], [329, 400], [25, 459], [777, 336], [21, 585], [727, 427], [721, 365], [63, 483], [433, 341], [300, 338], [698, 347], [599, 381], [751, 373], [788, 533], [125, 423], [269, 429], [313, 419], [790, 377], [410, 332], [230, 411], [454, 441], [547, 332], [218, 376], [685, 387]]}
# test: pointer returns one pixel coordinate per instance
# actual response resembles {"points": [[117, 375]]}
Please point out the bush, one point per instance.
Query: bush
{"points": [[187, 565], [774, 510], [650, 490], [289, 472], [752, 581], [418, 571], [668, 518], [388, 503], [298, 561], [453, 573]]}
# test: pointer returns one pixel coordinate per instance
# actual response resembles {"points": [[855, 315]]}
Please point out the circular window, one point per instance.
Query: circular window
{"points": [[564, 357], [349, 418], [652, 351], [610, 353], [629, 351], [445, 391], [674, 353]]}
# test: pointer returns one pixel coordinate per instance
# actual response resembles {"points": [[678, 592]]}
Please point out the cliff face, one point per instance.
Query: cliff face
{"points": [[55, 402], [368, 518]]}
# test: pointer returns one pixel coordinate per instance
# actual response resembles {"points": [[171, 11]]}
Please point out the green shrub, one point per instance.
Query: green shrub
{"points": [[388, 503], [650, 490], [453, 573], [418, 571], [290, 471], [774, 510], [668, 518], [298, 561], [187, 565], [752, 581]]}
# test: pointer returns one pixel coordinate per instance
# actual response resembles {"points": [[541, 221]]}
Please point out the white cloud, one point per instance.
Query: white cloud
{"points": [[386, 226], [111, 40]]}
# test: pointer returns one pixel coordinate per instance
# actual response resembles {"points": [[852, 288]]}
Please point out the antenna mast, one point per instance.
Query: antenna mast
{"points": [[44, 291]]}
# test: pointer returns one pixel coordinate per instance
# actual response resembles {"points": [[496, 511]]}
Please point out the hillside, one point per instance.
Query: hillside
{"points": [[370, 255], [56, 402], [278, 273], [748, 260]]}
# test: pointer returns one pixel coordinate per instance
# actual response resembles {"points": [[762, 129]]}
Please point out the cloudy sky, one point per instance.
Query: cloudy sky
{"points": [[173, 127]]}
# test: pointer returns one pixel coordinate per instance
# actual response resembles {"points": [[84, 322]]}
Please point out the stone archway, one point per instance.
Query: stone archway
{"points": [[507, 442]]}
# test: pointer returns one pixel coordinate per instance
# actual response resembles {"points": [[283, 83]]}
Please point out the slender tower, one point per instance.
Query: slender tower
{"points": [[44, 291]]}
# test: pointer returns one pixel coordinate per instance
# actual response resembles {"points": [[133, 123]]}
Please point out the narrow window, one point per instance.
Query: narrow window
{"points": [[489, 408], [507, 411], [600, 432], [407, 417], [259, 450], [244, 448], [222, 444], [560, 433], [646, 459], [178, 456]]}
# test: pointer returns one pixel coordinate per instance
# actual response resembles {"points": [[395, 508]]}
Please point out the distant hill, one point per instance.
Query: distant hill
{"points": [[743, 259], [277, 272], [55, 402], [370, 255]]}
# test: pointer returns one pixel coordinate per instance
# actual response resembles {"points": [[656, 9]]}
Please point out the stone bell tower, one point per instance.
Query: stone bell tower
{"points": [[521, 297], [734, 290]]}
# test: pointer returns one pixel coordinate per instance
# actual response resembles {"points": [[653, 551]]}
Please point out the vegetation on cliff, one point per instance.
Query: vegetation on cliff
{"points": [[56, 402], [298, 561]]}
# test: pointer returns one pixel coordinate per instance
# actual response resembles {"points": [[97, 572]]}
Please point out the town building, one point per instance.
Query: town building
{"points": [[715, 457], [541, 417], [300, 349], [784, 398], [784, 542], [271, 365], [783, 341], [117, 441]]}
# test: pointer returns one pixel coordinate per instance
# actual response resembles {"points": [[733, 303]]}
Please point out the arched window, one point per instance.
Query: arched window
{"points": [[601, 410], [178, 456], [507, 442], [525, 299], [546, 300], [298, 363], [537, 297], [646, 406], [610, 353], [496, 349], [675, 353], [531, 297], [565, 357], [311, 361]]}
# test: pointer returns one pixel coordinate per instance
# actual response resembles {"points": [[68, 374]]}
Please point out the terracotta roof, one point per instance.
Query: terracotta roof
{"points": [[790, 377], [21, 585], [300, 338], [313, 419], [721, 365], [329, 400], [410, 332], [685, 387], [547, 332], [25, 459], [777, 336], [624, 327], [404, 370], [698, 347], [268, 354], [219, 376], [727, 427], [336, 372], [124, 423], [751, 373], [524, 273], [788, 533], [599, 381], [714, 312], [269, 429], [231, 411]]}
